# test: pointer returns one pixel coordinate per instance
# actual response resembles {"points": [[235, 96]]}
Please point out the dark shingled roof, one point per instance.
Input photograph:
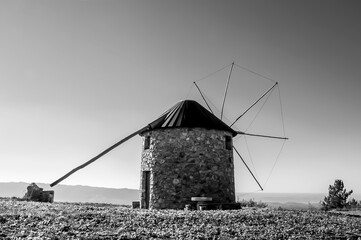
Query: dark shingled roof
{"points": [[189, 114]]}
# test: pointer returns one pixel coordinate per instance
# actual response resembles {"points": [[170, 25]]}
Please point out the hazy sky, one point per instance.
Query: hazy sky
{"points": [[77, 76]]}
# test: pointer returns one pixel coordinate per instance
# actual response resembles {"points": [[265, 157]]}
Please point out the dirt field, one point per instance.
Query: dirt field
{"points": [[29, 220]]}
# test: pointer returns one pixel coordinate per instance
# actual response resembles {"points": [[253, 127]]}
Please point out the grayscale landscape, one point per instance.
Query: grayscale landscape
{"points": [[191, 119]]}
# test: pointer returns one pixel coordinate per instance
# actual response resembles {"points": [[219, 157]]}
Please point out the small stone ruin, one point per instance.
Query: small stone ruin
{"points": [[37, 194]]}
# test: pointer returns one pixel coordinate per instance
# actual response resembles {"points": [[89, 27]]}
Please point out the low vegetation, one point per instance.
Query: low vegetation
{"points": [[253, 203], [34, 220]]}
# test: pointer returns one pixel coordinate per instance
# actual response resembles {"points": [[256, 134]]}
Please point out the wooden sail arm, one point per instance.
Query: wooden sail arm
{"points": [[98, 156], [204, 99], [248, 168], [226, 90], [259, 135], [254, 104]]}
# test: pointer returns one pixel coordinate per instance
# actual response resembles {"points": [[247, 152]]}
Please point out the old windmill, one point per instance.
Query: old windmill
{"points": [[187, 152]]}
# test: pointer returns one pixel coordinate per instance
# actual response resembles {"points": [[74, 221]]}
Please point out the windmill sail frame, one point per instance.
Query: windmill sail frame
{"points": [[154, 123]]}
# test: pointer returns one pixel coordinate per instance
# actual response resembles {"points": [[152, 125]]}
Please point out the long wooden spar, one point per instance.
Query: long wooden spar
{"points": [[261, 135], [204, 99], [98, 156], [226, 90], [254, 104], [249, 170]]}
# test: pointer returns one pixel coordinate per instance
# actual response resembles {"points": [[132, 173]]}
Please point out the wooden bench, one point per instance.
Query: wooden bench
{"points": [[202, 202]]}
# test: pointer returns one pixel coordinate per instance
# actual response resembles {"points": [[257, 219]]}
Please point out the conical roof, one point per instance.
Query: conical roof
{"points": [[189, 114]]}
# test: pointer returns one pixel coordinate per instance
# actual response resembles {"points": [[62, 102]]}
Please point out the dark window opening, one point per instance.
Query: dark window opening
{"points": [[228, 143], [147, 142]]}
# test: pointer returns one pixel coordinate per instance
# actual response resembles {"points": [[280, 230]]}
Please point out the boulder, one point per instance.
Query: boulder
{"points": [[36, 194]]}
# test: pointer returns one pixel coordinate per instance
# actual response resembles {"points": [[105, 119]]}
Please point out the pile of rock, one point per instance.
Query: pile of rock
{"points": [[37, 194]]}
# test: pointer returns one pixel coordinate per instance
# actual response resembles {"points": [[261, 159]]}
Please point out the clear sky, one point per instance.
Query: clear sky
{"points": [[78, 76]]}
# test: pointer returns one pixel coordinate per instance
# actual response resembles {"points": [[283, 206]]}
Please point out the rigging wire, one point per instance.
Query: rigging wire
{"points": [[259, 110], [251, 158], [211, 74], [217, 110], [260, 75], [210, 109], [212, 105], [284, 133], [274, 164], [259, 99], [249, 170], [283, 127], [282, 117]]}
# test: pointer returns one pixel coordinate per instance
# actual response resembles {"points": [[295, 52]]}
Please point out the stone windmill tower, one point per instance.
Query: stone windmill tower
{"points": [[187, 152]]}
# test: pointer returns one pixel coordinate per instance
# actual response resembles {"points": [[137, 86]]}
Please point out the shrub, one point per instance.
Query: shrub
{"points": [[252, 203], [337, 196]]}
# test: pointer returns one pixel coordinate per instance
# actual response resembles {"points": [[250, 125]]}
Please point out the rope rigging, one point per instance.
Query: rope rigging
{"points": [[162, 120], [265, 97], [260, 109]]}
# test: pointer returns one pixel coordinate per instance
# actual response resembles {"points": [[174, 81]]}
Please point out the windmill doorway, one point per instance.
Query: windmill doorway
{"points": [[146, 189]]}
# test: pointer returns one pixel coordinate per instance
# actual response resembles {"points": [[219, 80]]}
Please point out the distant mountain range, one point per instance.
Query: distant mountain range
{"points": [[67, 193], [283, 197], [309, 201]]}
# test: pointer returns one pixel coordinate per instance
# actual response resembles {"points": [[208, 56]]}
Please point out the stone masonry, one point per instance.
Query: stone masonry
{"points": [[185, 163]]}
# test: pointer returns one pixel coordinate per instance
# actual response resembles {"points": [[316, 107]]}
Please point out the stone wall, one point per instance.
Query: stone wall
{"points": [[185, 163]]}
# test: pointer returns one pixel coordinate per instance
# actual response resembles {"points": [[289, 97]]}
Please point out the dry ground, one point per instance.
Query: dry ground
{"points": [[29, 220]]}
